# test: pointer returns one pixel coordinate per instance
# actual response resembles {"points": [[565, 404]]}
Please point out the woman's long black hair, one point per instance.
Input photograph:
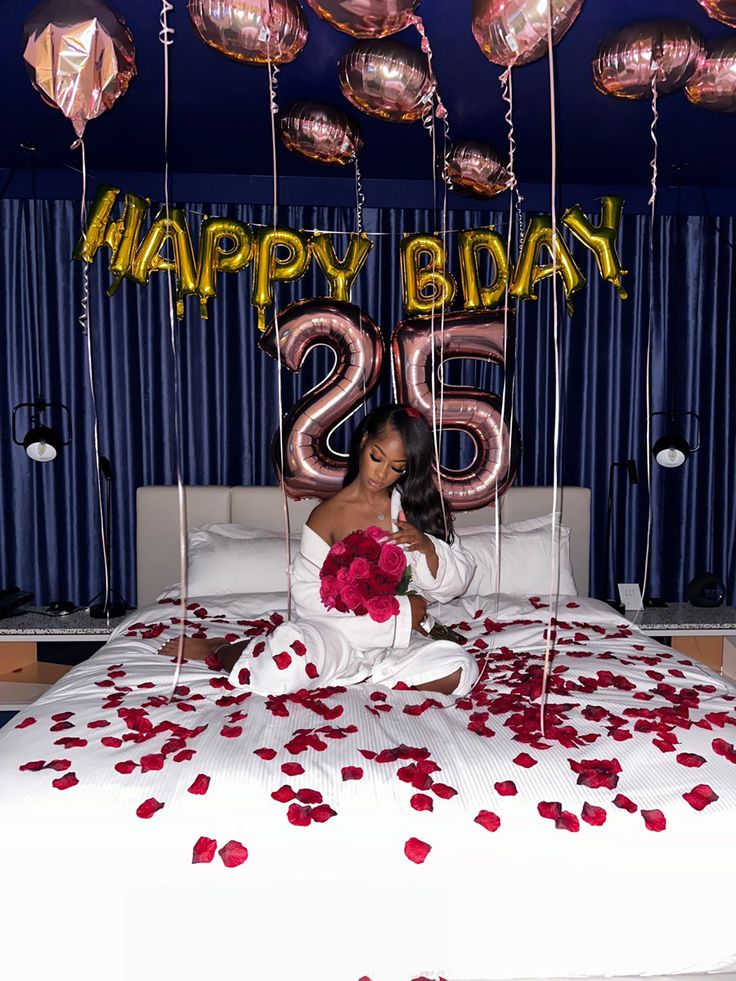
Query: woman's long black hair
{"points": [[420, 499]]}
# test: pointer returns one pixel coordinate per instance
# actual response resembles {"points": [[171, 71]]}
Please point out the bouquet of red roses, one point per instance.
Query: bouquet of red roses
{"points": [[363, 574]]}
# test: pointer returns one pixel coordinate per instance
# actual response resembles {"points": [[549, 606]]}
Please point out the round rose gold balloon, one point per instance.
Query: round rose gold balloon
{"points": [[476, 169], [386, 79], [722, 10], [252, 30], [366, 18], [514, 32], [80, 57], [713, 86], [311, 467], [322, 133], [627, 60], [466, 334]]}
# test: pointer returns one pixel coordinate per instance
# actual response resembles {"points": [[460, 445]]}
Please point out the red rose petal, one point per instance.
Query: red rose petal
{"points": [[184, 756], [654, 820], [148, 808], [58, 765], [200, 785], [284, 794], [352, 773], [231, 732], [292, 769], [506, 788], [622, 801], [421, 802], [299, 815], [307, 796], [689, 759], [567, 821], [700, 796], [204, 850], [443, 791], [232, 854], [549, 809], [322, 813], [33, 766], [125, 766], [98, 724], [28, 721], [63, 783], [525, 760], [265, 753], [62, 716], [488, 820], [595, 816], [153, 761], [416, 851], [311, 670], [298, 648], [282, 660]]}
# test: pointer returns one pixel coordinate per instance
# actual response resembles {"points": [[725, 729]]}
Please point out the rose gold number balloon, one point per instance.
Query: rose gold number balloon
{"points": [[628, 59], [514, 32], [366, 18], [322, 133], [80, 57], [251, 30], [386, 79], [476, 169], [713, 86], [722, 10], [469, 410], [311, 467]]}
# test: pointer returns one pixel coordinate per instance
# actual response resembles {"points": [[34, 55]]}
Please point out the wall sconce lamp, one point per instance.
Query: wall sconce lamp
{"points": [[41, 443], [672, 449]]}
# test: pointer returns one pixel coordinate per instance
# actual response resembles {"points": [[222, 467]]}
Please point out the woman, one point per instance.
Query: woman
{"points": [[390, 484]]}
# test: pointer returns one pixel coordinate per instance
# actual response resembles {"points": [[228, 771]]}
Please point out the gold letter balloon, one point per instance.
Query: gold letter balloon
{"points": [[429, 288], [529, 271], [271, 268], [601, 239], [340, 273], [214, 257]]}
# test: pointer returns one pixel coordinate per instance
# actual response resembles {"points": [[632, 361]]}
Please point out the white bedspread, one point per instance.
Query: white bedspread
{"points": [[390, 835]]}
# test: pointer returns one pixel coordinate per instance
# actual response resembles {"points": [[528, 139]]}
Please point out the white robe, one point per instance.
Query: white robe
{"points": [[325, 647]]}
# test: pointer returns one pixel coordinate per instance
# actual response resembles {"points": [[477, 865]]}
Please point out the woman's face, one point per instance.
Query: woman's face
{"points": [[382, 460]]}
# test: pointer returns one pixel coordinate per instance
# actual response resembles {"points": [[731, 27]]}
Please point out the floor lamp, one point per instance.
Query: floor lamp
{"points": [[108, 609]]}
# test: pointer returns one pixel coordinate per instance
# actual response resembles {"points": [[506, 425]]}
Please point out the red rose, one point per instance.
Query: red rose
{"points": [[329, 591], [369, 549], [359, 569], [351, 597], [378, 534], [382, 608], [392, 561], [338, 549]]}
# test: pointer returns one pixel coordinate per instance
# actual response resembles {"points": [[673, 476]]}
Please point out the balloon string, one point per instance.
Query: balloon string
{"points": [[359, 197], [166, 38], [556, 537], [446, 185], [84, 320], [440, 110], [652, 205], [273, 112]]}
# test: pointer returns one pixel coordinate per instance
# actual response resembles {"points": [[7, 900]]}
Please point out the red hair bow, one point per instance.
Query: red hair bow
{"points": [[413, 413]]}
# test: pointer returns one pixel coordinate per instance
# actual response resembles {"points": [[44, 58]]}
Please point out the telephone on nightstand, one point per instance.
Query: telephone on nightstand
{"points": [[11, 598]]}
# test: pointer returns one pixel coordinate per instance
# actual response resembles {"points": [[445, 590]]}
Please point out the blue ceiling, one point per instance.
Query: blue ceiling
{"points": [[219, 120]]}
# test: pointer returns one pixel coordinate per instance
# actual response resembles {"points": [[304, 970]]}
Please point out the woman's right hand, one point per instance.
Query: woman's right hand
{"points": [[418, 612]]}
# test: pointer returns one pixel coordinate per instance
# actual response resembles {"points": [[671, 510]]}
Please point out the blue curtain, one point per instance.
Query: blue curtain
{"points": [[50, 516]]}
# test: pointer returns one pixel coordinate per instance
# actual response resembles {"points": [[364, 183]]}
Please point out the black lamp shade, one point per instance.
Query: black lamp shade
{"points": [[671, 450], [42, 443]]}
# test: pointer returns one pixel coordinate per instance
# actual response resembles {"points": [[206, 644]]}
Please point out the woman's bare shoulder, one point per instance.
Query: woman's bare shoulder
{"points": [[322, 519]]}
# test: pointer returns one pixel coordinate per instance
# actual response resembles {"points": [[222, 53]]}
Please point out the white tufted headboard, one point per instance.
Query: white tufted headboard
{"points": [[261, 507]]}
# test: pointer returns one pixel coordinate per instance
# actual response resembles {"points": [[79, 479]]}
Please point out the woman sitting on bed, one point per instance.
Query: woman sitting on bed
{"points": [[390, 484]]}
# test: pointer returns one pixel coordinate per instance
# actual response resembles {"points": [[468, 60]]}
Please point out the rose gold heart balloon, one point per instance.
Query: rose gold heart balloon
{"points": [[321, 133], [252, 30], [722, 10], [627, 60], [514, 32], [713, 86], [476, 169], [366, 18], [80, 57], [386, 79]]}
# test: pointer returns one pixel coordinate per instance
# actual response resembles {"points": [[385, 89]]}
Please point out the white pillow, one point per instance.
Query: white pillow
{"points": [[235, 559], [525, 559], [526, 524]]}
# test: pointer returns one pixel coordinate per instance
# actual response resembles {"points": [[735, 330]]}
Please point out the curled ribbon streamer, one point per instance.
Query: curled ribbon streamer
{"points": [[273, 71], [359, 197], [84, 322], [165, 36], [556, 537]]}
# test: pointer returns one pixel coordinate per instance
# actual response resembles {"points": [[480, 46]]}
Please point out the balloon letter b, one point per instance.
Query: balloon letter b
{"points": [[415, 281]]}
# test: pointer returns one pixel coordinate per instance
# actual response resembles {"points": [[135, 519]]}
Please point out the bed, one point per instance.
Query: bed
{"points": [[366, 833]]}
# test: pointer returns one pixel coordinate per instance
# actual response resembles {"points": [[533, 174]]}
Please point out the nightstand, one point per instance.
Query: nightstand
{"points": [[23, 678], [706, 634]]}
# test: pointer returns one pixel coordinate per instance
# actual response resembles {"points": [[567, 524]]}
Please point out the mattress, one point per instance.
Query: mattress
{"points": [[367, 833]]}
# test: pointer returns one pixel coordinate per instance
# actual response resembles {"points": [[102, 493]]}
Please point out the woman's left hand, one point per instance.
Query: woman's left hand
{"points": [[410, 536]]}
